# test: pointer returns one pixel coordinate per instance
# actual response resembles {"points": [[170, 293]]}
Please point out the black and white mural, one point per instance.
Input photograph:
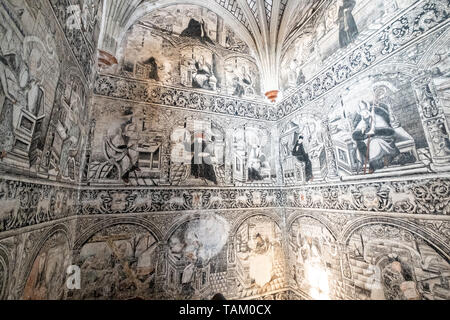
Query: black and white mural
{"points": [[189, 46], [339, 27], [147, 145], [167, 175]]}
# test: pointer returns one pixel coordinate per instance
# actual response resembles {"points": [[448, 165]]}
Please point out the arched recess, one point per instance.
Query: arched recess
{"points": [[441, 43], [430, 237], [272, 216], [37, 248], [4, 272], [147, 7], [91, 231], [256, 255], [327, 224]]}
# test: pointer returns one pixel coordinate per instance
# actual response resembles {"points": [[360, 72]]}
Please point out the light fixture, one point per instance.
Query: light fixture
{"points": [[272, 95], [106, 59]]}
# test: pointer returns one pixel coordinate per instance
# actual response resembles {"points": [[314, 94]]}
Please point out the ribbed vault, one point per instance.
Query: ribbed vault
{"points": [[264, 25]]}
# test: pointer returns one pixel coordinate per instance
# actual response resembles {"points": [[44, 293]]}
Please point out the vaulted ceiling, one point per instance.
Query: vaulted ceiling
{"points": [[267, 26]]}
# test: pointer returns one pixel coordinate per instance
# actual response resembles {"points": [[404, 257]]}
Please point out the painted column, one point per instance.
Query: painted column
{"points": [[161, 267], [332, 174], [220, 36], [433, 121]]}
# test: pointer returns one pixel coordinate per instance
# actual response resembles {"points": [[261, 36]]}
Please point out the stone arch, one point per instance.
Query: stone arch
{"points": [[94, 229], [60, 228], [276, 219], [442, 42], [433, 239], [320, 220], [4, 270]]}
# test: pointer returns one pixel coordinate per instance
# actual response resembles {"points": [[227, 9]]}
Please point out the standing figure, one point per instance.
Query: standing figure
{"points": [[348, 31], [8, 98], [124, 148], [238, 88], [197, 30], [201, 163], [153, 73], [247, 81], [301, 155], [256, 162]]}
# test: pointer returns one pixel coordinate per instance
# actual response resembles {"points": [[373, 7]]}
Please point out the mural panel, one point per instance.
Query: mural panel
{"points": [[43, 97], [388, 263], [196, 259], [376, 129], [143, 145], [189, 46], [118, 263], [372, 128], [343, 25], [259, 257], [47, 279], [314, 258]]}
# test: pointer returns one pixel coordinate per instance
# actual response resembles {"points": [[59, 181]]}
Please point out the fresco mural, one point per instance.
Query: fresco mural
{"points": [[25, 64], [118, 263], [142, 145], [343, 24], [372, 127], [196, 261], [252, 156], [245, 198], [190, 46], [313, 254], [259, 257], [43, 99], [302, 149], [392, 264], [379, 262], [47, 279], [370, 131]]}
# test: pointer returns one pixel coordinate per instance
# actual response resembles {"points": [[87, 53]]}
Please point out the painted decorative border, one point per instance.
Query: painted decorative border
{"points": [[431, 197], [144, 91], [25, 204]]}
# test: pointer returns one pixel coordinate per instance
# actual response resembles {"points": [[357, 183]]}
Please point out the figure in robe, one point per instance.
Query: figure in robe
{"points": [[260, 261], [153, 73], [8, 98], [201, 163], [256, 162], [246, 80], [238, 88], [374, 136], [301, 155], [348, 31], [125, 144], [202, 74], [197, 30]]}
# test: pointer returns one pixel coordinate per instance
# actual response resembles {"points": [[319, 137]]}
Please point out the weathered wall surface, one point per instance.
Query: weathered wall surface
{"points": [[368, 192], [110, 184]]}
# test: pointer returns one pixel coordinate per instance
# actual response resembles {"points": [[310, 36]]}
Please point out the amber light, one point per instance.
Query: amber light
{"points": [[272, 95], [106, 59]]}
